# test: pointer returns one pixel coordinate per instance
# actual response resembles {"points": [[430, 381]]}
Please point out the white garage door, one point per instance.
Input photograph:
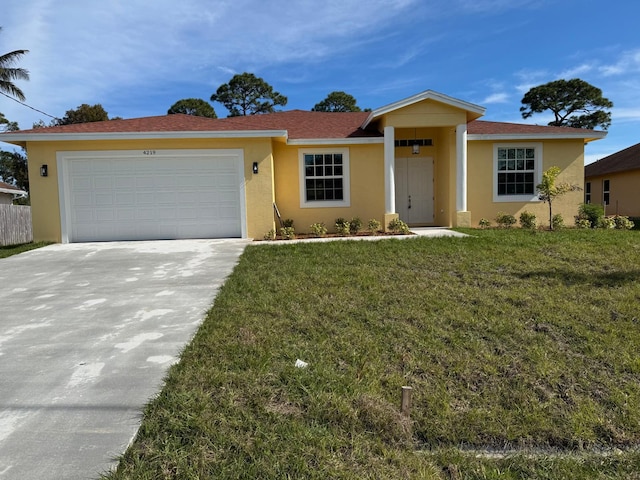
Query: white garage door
{"points": [[151, 194]]}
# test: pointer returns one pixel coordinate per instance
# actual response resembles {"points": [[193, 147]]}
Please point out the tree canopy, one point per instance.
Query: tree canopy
{"points": [[193, 106], [6, 125], [337, 102], [246, 94], [9, 73], [13, 169], [574, 103], [83, 114]]}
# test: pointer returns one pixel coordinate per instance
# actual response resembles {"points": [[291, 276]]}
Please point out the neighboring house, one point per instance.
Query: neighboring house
{"points": [[614, 182], [8, 193], [427, 159]]}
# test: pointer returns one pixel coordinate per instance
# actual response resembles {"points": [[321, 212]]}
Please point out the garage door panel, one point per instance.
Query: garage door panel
{"points": [[156, 197]]}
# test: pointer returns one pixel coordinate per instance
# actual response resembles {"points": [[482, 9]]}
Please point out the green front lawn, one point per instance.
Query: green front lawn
{"points": [[528, 342], [9, 250]]}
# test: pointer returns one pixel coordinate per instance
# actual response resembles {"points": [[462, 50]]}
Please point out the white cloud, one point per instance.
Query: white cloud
{"points": [[629, 62], [499, 97], [576, 71]]}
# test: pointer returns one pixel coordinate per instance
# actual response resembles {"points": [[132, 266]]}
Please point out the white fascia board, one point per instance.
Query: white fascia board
{"points": [[426, 95], [531, 136], [45, 137], [336, 141], [12, 192]]}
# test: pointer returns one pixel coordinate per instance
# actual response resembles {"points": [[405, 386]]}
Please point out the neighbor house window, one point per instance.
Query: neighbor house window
{"points": [[605, 192], [517, 171], [324, 177], [587, 192]]}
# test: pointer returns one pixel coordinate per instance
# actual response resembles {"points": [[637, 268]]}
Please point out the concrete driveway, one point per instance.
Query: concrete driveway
{"points": [[87, 333]]}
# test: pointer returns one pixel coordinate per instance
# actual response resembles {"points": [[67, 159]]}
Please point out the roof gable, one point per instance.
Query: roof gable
{"points": [[473, 111], [622, 161]]}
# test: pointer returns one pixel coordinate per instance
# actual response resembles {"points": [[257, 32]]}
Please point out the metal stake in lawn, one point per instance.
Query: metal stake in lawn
{"points": [[405, 403]]}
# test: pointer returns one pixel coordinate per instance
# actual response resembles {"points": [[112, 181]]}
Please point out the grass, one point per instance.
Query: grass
{"points": [[7, 251], [522, 350]]}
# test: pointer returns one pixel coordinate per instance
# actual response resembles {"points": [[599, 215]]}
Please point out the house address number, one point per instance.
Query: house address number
{"points": [[148, 152]]}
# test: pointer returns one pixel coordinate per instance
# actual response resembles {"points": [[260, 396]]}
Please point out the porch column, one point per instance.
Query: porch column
{"points": [[389, 171], [461, 167]]}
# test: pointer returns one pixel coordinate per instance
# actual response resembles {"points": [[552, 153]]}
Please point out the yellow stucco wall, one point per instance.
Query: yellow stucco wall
{"points": [[428, 113], [44, 190], [566, 154], [624, 193], [366, 186]]}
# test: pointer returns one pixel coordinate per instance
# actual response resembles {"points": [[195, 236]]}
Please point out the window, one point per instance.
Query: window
{"points": [[605, 192], [517, 172], [587, 192], [324, 178]]}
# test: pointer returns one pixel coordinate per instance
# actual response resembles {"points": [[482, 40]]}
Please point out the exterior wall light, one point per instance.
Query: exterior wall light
{"points": [[415, 148], [44, 171], [255, 167]]}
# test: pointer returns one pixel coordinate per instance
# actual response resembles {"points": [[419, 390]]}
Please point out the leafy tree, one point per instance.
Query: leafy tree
{"points": [[548, 190], [193, 106], [9, 73], [84, 114], [13, 169], [246, 94], [6, 125], [337, 102], [574, 103]]}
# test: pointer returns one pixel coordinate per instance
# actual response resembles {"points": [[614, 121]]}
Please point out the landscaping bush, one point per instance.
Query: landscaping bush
{"points": [[505, 220], [287, 223], [355, 225], [318, 229], [484, 223], [288, 233], [342, 227], [606, 222], [270, 235], [398, 226], [373, 226], [591, 212], [557, 221], [582, 222], [528, 220], [623, 223]]}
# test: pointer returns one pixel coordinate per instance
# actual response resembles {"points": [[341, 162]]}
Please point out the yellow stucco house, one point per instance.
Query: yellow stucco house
{"points": [[613, 182], [426, 159]]}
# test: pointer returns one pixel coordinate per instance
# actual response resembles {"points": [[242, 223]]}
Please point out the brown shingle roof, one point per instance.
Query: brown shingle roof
{"points": [[299, 124], [627, 159], [484, 127], [6, 186]]}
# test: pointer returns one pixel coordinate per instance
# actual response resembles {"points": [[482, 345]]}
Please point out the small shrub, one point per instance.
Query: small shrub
{"points": [[591, 212], [398, 226], [623, 223], [505, 220], [287, 223], [270, 235], [557, 222], [582, 222], [318, 229], [355, 225], [528, 220], [636, 222], [342, 227], [374, 226], [288, 233], [484, 223], [607, 222]]}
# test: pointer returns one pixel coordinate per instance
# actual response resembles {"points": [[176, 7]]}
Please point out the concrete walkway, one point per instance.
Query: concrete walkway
{"points": [[87, 333]]}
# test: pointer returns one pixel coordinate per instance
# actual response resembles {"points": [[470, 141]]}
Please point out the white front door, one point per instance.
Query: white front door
{"points": [[414, 189]]}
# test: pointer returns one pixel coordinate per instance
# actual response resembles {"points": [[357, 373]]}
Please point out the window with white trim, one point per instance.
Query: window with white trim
{"points": [[587, 192], [517, 171], [324, 177], [606, 192]]}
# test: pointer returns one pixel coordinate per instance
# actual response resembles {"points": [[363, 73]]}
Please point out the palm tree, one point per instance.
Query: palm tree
{"points": [[8, 73]]}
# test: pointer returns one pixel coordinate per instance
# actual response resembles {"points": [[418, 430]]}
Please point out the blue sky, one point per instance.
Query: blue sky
{"points": [[138, 57]]}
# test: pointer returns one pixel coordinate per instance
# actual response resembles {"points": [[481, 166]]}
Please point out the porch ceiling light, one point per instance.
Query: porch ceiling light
{"points": [[415, 148]]}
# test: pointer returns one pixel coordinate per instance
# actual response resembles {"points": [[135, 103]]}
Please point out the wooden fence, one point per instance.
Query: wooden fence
{"points": [[15, 225]]}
